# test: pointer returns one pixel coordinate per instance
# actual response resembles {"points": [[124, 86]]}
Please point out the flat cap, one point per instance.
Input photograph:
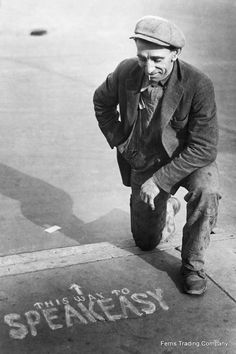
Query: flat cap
{"points": [[160, 31]]}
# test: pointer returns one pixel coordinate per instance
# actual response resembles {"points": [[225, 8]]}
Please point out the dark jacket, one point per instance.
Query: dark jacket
{"points": [[188, 122]]}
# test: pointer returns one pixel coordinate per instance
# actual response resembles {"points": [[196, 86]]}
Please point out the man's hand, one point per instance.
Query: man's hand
{"points": [[148, 192]]}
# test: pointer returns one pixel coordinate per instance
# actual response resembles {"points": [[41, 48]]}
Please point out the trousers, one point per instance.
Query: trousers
{"points": [[202, 199]]}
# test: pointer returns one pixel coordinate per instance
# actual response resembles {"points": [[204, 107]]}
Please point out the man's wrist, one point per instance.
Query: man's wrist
{"points": [[155, 180], [161, 186]]}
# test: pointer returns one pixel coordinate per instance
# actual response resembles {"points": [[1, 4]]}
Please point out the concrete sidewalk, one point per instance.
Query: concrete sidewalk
{"points": [[85, 288], [103, 298]]}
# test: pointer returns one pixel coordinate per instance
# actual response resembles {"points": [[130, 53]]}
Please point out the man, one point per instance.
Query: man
{"points": [[166, 136]]}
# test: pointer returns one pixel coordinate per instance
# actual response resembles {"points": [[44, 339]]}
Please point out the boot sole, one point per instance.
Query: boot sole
{"points": [[195, 292]]}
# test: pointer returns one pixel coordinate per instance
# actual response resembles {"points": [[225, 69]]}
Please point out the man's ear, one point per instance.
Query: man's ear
{"points": [[175, 54]]}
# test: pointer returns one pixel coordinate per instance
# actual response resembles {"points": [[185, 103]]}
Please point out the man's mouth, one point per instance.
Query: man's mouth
{"points": [[154, 75]]}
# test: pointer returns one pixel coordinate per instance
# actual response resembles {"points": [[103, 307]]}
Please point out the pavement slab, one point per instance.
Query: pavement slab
{"points": [[132, 303], [221, 265]]}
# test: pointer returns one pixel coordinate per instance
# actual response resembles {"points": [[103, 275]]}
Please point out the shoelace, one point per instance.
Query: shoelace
{"points": [[200, 273]]}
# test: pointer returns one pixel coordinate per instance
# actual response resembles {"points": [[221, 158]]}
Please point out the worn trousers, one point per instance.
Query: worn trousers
{"points": [[202, 199]]}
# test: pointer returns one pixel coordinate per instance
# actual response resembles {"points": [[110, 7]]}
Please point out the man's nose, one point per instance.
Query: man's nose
{"points": [[150, 66]]}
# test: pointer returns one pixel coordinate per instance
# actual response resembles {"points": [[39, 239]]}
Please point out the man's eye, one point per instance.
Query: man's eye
{"points": [[157, 60], [142, 59]]}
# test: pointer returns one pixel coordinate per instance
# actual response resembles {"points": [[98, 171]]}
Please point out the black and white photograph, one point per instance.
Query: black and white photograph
{"points": [[117, 177]]}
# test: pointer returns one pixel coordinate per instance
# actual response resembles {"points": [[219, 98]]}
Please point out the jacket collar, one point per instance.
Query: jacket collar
{"points": [[173, 94], [134, 81], [171, 97]]}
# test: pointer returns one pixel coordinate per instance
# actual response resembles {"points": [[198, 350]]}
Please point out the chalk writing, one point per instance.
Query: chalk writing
{"points": [[83, 310], [79, 298], [77, 288], [124, 291], [63, 301]]}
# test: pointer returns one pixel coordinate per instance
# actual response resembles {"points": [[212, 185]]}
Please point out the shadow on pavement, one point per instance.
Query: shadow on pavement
{"points": [[46, 205], [114, 228], [40, 202], [166, 262]]}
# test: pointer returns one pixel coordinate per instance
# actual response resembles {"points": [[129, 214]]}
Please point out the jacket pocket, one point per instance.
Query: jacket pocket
{"points": [[178, 123]]}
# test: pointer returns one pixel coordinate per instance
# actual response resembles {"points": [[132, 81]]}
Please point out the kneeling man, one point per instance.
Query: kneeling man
{"points": [[166, 136]]}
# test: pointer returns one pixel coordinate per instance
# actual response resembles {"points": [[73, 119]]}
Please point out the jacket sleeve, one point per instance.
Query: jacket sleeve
{"points": [[202, 139], [105, 101]]}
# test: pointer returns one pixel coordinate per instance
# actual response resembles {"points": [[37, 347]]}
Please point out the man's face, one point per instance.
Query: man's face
{"points": [[156, 61]]}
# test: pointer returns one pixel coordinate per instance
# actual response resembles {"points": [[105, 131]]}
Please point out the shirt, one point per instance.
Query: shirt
{"points": [[143, 148]]}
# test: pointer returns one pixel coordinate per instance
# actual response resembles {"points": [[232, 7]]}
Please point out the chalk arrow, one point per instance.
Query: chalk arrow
{"points": [[77, 288]]}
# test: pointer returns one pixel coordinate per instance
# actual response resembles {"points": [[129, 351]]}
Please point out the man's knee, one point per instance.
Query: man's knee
{"points": [[203, 198], [203, 180], [202, 203], [147, 225], [147, 244], [203, 190]]}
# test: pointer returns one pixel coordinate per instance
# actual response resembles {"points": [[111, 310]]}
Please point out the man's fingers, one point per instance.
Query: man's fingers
{"points": [[144, 197], [151, 203], [148, 200]]}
